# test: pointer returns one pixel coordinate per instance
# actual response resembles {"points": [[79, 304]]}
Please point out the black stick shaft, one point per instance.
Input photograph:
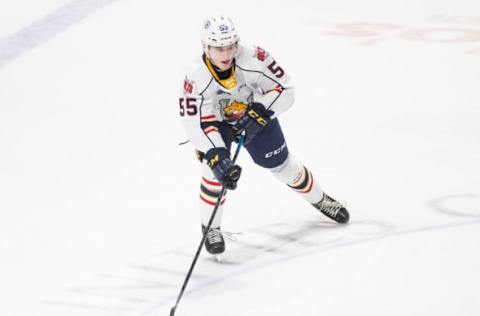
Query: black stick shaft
{"points": [[204, 237]]}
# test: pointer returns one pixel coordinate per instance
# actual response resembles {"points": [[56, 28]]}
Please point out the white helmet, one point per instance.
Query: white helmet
{"points": [[218, 31]]}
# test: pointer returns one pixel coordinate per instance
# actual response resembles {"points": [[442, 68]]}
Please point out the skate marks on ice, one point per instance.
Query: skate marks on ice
{"points": [[149, 286]]}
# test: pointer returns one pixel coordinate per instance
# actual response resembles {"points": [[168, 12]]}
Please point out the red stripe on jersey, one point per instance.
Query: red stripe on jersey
{"points": [[211, 129], [208, 118], [211, 182], [209, 202]]}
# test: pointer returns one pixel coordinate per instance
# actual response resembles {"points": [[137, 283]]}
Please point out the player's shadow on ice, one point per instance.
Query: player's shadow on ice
{"points": [[280, 239]]}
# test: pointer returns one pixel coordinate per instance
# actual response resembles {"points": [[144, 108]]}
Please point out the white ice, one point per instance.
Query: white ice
{"points": [[98, 203]]}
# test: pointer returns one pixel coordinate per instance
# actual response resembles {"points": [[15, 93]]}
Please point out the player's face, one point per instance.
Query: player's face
{"points": [[222, 57]]}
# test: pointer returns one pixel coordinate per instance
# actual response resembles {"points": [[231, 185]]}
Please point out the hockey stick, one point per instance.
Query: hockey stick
{"points": [[217, 204]]}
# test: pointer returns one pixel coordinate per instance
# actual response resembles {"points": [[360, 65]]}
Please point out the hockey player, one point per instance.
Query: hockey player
{"points": [[232, 89]]}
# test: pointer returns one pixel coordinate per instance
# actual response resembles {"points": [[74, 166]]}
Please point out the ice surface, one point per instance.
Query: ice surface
{"points": [[98, 203]]}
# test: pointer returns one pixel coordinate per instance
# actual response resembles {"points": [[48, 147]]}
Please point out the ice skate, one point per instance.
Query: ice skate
{"points": [[214, 243], [332, 209]]}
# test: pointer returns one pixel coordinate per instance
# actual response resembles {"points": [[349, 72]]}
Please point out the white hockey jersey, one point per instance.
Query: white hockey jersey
{"points": [[206, 99]]}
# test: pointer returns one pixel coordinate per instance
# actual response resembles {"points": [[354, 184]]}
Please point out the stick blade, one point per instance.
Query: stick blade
{"points": [[172, 310]]}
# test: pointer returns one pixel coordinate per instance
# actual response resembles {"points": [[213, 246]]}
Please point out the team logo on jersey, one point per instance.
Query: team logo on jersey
{"points": [[223, 28], [261, 54], [234, 110], [188, 86]]}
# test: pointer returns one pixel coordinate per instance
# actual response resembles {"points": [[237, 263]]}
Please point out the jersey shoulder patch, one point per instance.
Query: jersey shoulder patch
{"points": [[254, 52], [187, 86], [253, 58], [260, 53]]}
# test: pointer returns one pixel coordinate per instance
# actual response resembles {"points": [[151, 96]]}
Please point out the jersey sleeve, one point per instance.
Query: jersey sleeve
{"points": [[278, 93], [197, 116]]}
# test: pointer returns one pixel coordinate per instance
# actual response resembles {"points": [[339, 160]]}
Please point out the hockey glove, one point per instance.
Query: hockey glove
{"points": [[227, 173], [256, 117]]}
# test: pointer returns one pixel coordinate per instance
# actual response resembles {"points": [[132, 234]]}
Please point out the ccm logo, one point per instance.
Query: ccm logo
{"points": [[276, 151]]}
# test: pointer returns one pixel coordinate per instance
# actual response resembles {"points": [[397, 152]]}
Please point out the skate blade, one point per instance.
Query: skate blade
{"points": [[218, 258]]}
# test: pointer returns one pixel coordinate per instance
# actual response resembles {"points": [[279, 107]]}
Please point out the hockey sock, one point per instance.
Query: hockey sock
{"points": [[294, 174], [210, 190]]}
